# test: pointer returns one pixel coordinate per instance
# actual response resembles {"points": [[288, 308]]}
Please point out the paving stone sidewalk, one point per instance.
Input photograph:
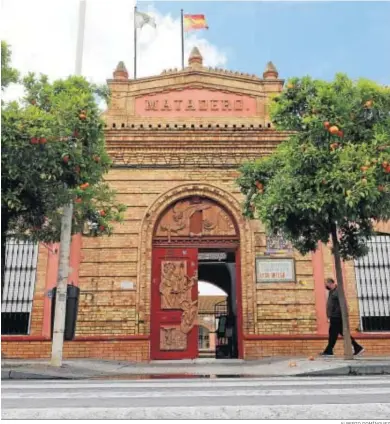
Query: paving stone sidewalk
{"points": [[77, 369]]}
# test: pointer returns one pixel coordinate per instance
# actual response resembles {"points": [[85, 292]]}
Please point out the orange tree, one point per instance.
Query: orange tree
{"points": [[330, 180], [53, 152]]}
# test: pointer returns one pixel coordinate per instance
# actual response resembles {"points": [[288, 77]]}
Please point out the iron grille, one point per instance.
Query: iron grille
{"points": [[373, 285], [18, 290]]}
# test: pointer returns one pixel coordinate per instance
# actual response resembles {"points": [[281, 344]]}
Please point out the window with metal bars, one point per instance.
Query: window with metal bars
{"points": [[21, 259], [373, 285]]}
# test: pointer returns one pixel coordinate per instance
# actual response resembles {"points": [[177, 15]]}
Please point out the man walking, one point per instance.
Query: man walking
{"points": [[333, 312]]}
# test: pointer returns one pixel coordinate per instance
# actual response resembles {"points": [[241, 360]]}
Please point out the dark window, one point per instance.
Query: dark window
{"points": [[373, 285], [18, 289]]}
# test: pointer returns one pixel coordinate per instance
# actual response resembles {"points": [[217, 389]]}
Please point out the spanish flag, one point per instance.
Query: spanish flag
{"points": [[194, 22]]}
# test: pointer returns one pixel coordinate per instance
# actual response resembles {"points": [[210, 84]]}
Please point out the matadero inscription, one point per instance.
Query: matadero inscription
{"points": [[190, 105], [195, 103]]}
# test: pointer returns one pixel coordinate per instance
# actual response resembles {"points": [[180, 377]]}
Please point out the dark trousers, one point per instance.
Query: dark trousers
{"points": [[336, 328]]}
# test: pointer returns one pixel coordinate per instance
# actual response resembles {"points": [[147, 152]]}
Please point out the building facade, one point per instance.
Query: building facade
{"points": [[176, 141]]}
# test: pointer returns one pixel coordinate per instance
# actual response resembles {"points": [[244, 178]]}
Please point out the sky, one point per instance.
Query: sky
{"points": [[301, 38]]}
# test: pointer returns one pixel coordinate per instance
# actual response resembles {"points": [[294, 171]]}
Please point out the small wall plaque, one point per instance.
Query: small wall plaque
{"points": [[127, 285], [275, 270]]}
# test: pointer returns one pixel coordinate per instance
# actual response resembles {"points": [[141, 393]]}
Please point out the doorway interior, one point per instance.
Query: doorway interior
{"points": [[218, 267]]}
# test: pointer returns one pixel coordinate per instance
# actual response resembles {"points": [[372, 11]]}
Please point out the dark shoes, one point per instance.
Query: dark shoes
{"points": [[359, 351]]}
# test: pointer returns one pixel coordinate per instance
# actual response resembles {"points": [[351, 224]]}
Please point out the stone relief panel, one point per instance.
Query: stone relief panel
{"points": [[175, 293], [175, 286], [172, 338], [212, 220]]}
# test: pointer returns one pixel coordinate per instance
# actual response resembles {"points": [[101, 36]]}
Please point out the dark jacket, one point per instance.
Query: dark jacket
{"points": [[333, 305]]}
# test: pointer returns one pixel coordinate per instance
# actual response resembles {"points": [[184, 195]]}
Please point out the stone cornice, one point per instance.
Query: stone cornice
{"points": [[228, 136], [205, 72], [195, 79]]}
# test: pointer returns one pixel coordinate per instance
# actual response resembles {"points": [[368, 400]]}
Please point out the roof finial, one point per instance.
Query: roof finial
{"points": [[195, 59], [270, 71], [121, 72]]}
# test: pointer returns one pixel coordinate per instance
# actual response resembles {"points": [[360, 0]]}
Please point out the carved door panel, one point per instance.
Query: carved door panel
{"points": [[174, 304]]}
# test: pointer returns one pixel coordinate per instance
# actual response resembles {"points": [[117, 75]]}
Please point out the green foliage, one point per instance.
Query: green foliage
{"points": [[316, 179], [53, 152], [8, 75]]}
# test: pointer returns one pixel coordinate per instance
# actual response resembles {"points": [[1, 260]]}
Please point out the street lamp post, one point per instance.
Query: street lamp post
{"points": [[66, 232]]}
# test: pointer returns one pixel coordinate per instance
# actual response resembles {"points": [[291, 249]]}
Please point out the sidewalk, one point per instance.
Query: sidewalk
{"points": [[78, 369]]}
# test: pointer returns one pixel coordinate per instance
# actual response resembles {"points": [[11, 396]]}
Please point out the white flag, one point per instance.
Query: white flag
{"points": [[142, 19]]}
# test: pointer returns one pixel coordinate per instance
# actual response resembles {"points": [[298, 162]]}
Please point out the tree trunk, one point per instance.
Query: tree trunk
{"points": [[62, 284], [348, 353]]}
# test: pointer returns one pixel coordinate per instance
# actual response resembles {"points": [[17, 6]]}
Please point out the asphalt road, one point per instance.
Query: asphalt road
{"points": [[349, 398]]}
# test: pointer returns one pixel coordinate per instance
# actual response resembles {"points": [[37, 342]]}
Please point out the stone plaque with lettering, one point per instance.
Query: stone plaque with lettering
{"points": [[275, 270], [195, 103]]}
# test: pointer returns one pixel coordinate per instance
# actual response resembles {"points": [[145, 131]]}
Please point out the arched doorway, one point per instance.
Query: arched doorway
{"points": [[194, 238]]}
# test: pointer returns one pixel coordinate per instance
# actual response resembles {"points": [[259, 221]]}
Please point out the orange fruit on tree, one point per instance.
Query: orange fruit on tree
{"points": [[340, 133], [326, 124], [259, 185], [66, 158], [368, 104], [102, 213], [364, 168], [334, 129], [78, 200], [334, 146], [84, 186]]}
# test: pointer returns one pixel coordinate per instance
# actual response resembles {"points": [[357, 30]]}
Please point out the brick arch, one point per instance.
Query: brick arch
{"points": [[247, 255]]}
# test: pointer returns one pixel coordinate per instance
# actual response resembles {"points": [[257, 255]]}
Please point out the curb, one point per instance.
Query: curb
{"points": [[340, 371], [21, 375], [27, 375], [350, 370]]}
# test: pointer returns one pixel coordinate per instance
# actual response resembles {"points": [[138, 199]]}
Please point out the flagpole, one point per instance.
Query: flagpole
{"points": [[182, 39], [135, 43]]}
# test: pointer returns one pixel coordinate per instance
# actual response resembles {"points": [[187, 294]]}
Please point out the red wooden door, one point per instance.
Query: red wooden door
{"points": [[174, 306]]}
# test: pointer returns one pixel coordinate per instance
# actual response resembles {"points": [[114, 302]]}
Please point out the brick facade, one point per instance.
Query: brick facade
{"points": [[157, 161]]}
